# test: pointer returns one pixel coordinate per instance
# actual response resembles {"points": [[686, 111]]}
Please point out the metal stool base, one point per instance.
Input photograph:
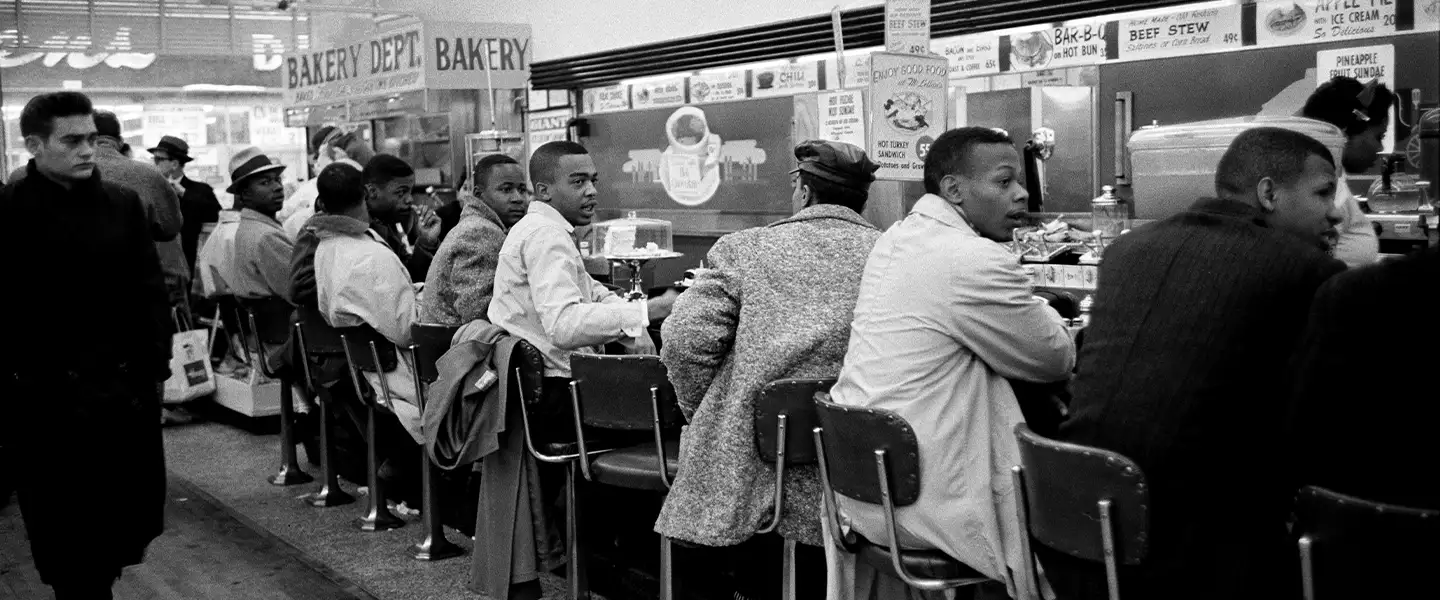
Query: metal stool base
{"points": [[379, 520], [290, 476], [327, 497], [435, 548]]}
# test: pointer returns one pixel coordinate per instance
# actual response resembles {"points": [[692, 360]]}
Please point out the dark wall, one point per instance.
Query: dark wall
{"points": [[1217, 86]]}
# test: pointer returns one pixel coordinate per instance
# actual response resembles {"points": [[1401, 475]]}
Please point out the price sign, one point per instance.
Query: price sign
{"points": [[907, 26], [1181, 33]]}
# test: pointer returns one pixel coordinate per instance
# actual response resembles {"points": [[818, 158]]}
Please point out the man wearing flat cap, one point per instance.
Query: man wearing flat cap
{"points": [[776, 302], [198, 205]]}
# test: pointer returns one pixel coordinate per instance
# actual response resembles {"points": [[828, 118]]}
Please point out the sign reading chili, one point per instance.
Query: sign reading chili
{"points": [[418, 56]]}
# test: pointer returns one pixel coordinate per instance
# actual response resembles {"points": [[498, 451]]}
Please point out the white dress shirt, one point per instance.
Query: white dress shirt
{"points": [[944, 318], [359, 280], [544, 296]]}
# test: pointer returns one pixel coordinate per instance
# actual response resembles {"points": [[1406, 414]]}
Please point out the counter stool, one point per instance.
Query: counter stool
{"points": [[1357, 548], [872, 456], [363, 351], [271, 320], [317, 341], [430, 343], [228, 308], [1065, 490], [784, 413], [628, 393], [529, 382]]}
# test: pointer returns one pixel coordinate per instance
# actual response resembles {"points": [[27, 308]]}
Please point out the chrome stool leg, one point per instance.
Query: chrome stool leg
{"points": [[787, 573], [377, 515], [576, 577], [667, 580], [329, 493], [290, 473], [434, 546]]}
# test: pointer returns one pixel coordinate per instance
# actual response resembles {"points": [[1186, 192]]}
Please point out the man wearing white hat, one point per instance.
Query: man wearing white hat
{"points": [[262, 250]]}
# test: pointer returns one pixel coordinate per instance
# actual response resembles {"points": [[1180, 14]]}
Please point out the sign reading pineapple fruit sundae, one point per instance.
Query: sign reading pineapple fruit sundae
{"points": [[907, 112]]}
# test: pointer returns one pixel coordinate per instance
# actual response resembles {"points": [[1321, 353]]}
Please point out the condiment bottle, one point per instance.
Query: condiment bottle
{"points": [[1085, 306], [1107, 216]]}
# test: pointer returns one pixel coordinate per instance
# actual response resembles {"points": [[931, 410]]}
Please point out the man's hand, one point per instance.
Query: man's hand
{"points": [[430, 228], [660, 306]]}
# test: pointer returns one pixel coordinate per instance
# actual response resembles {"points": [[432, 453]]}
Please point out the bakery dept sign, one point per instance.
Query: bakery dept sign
{"points": [[1285, 23], [434, 55], [696, 160], [1072, 44], [1182, 33], [907, 112]]}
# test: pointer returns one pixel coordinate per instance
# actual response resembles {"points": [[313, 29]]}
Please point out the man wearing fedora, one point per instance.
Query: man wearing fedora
{"points": [[262, 250], [198, 205]]}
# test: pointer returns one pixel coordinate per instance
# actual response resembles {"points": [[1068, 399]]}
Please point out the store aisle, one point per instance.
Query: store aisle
{"points": [[204, 553]]}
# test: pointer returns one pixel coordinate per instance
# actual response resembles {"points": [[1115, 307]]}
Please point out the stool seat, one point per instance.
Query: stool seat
{"points": [[923, 563], [634, 467]]}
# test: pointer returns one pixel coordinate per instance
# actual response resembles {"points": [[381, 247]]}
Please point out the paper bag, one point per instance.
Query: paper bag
{"points": [[190, 373]]}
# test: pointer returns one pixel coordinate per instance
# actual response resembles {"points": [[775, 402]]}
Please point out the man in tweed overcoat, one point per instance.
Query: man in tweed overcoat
{"points": [[776, 303]]}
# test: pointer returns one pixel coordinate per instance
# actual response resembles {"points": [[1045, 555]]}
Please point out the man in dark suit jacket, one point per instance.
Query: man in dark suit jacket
{"points": [[198, 205], [1184, 370]]}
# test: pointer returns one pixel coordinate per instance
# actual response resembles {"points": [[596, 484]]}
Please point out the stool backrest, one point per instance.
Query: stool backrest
{"points": [[274, 318], [430, 343], [795, 399], [615, 391], [852, 437], [1064, 484], [320, 338], [358, 340], [1354, 541]]}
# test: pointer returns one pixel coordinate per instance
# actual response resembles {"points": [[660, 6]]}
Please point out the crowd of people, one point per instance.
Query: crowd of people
{"points": [[1229, 353]]}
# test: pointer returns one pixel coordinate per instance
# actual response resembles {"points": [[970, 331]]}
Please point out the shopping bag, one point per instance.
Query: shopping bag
{"points": [[191, 375]]}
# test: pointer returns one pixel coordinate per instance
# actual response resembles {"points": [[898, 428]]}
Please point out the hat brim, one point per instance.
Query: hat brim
{"points": [[234, 185], [174, 153]]}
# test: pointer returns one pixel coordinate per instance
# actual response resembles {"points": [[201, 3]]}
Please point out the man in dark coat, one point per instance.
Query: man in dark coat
{"points": [[82, 365], [197, 200], [1184, 370]]}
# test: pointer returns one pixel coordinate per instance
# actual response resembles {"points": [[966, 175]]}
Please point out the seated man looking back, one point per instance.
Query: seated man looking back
{"points": [[461, 280]]}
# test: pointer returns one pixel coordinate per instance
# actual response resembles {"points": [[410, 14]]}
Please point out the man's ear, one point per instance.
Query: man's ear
{"points": [[542, 191], [951, 188], [33, 144], [807, 195], [1265, 192]]}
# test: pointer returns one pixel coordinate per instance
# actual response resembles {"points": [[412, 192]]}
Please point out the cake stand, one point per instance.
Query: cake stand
{"points": [[635, 262]]}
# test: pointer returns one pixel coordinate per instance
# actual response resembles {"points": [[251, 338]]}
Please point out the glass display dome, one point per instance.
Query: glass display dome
{"points": [[633, 238]]}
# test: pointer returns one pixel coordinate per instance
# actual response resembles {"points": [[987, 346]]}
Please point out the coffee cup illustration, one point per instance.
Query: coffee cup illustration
{"points": [[690, 172]]}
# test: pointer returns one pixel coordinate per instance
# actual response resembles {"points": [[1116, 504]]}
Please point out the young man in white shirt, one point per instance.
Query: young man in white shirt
{"points": [[542, 291]]}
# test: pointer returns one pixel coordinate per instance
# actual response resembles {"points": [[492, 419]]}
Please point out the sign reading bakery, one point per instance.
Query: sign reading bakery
{"points": [[1285, 23], [423, 55]]}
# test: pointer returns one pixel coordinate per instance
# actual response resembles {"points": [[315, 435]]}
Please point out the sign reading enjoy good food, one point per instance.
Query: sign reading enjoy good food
{"points": [[907, 112]]}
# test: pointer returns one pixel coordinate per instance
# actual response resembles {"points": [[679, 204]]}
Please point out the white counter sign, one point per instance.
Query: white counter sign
{"points": [[1181, 33], [657, 94], [908, 103], [842, 117], [717, 87], [907, 26], [1364, 63], [1064, 46], [607, 99], [785, 80], [1285, 23], [971, 55]]}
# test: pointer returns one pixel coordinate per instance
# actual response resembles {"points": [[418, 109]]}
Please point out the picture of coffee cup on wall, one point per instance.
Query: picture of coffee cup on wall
{"points": [[765, 80], [1285, 21], [690, 168]]}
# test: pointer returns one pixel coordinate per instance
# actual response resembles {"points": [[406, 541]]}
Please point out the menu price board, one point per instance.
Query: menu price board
{"points": [[658, 94], [784, 80], [718, 87], [1067, 45], [971, 55], [1286, 23], [1362, 63], [907, 26], [908, 103], [842, 117], [607, 99], [1181, 33]]}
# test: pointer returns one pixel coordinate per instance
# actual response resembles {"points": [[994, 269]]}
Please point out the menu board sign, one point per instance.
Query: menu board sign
{"points": [[717, 87], [908, 103], [607, 99], [786, 79], [842, 117], [857, 71], [1068, 45], [658, 94], [907, 26], [971, 55], [1181, 33], [1364, 63], [1285, 23], [547, 126]]}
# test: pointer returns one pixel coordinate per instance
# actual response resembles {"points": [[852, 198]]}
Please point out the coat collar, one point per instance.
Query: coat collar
{"points": [[544, 210], [939, 209], [1229, 208], [34, 177], [826, 211], [479, 209], [250, 214]]}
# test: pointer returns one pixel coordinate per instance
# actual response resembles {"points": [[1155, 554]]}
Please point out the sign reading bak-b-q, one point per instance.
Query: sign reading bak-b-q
{"points": [[423, 55]]}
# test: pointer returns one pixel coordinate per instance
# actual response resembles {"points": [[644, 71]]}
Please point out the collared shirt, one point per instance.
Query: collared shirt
{"points": [[262, 257], [359, 281], [1358, 245], [216, 261], [944, 318], [544, 295]]}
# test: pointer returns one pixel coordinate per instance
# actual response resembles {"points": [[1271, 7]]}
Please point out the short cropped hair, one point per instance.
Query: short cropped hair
{"points": [[547, 158], [341, 187], [1262, 152], [483, 166], [354, 146], [385, 168], [950, 153], [39, 114], [107, 124], [1337, 100], [825, 191]]}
